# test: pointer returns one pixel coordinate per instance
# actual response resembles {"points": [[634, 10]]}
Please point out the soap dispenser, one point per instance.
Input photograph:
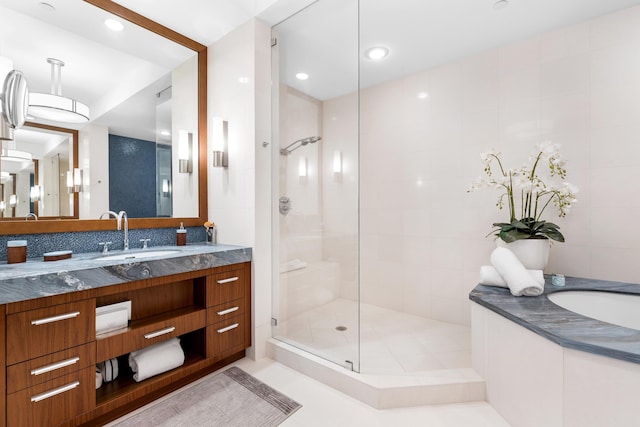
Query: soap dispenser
{"points": [[181, 236]]}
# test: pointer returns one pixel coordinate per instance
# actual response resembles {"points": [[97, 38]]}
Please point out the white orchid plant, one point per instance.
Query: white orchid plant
{"points": [[534, 188]]}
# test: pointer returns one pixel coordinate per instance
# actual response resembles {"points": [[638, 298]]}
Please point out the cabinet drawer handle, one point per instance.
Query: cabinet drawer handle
{"points": [[55, 366], [51, 393], [56, 318], [229, 280], [227, 311], [228, 328], [160, 332]]}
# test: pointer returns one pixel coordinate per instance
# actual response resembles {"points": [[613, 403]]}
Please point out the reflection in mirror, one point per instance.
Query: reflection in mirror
{"points": [[141, 89], [40, 159], [9, 198]]}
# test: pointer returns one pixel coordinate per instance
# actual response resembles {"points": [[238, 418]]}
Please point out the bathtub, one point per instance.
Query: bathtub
{"points": [[567, 358], [618, 309]]}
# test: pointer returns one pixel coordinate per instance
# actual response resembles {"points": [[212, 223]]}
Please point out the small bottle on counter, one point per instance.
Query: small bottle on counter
{"points": [[557, 280], [181, 236], [212, 237], [16, 251]]}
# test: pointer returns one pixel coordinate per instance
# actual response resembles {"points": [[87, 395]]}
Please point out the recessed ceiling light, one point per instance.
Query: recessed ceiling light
{"points": [[165, 132], [302, 76], [114, 25], [423, 95], [376, 53], [243, 80], [500, 4]]}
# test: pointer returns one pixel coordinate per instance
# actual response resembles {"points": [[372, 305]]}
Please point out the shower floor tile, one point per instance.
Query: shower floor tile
{"points": [[391, 342]]}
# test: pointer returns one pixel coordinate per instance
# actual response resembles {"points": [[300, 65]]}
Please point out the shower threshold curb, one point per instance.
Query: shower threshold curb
{"points": [[384, 391]]}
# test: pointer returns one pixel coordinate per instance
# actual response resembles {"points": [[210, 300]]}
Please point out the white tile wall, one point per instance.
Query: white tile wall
{"points": [[576, 86]]}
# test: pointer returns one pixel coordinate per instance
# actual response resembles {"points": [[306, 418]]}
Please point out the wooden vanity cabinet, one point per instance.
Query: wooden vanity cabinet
{"points": [[227, 328], [51, 349]]}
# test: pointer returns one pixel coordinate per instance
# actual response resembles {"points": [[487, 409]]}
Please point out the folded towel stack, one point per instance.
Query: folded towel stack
{"points": [[489, 276], [509, 272], [156, 359]]}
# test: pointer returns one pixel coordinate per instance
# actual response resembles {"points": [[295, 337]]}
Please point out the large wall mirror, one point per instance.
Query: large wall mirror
{"points": [[145, 88]]}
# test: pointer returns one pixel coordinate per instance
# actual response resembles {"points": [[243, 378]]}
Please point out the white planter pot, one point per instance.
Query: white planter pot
{"points": [[532, 253]]}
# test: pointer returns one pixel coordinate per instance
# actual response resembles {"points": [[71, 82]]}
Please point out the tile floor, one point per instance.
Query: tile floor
{"points": [[391, 342], [323, 406]]}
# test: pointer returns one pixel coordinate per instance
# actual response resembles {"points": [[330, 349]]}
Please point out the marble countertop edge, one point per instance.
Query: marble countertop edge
{"points": [[37, 279], [564, 327]]}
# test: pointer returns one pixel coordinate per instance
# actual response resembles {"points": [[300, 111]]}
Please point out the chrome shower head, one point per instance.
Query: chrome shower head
{"points": [[304, 141]]}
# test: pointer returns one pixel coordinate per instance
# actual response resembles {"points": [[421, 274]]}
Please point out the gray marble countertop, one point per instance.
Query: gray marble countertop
{"points": [[562, 326], [37, 278]]}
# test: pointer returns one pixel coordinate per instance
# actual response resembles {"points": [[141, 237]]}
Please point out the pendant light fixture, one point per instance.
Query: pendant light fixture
{"points": [[53, 106]]}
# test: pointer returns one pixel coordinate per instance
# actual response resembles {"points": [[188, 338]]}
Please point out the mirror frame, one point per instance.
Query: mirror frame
{"points": [[70, 225]]}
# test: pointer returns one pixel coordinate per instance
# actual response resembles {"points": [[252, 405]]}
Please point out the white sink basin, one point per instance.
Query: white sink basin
{"points": [[136, 255]]}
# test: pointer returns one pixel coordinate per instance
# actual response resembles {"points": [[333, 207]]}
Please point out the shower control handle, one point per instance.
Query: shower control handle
{"points": [[284, 205]]}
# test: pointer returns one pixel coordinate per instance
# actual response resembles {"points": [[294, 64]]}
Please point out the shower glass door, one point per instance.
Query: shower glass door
{"points": [[315, 229]]}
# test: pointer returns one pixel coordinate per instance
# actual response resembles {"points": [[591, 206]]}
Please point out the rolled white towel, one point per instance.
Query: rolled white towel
{"points": [[489, 276], [513, 272], [156, 359]]}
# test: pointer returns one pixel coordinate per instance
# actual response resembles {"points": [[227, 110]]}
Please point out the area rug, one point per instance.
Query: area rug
{"points": [[228, 399]]}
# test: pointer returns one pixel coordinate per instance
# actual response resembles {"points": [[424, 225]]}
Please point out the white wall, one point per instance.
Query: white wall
{"points": [[301, 229], [422, 235], [240, 195], [184, 116], [94, 144]]}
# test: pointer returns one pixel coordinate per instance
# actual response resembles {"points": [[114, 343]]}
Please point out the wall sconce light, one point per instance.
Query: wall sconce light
{"points": [[166, 188], [185, 152], [3, 206], [36, 193], [337, 165], [74, 180], [303, 169], [13, 200], [221, 157]]}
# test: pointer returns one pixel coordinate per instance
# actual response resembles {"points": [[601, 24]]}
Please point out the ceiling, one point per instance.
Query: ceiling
{"points": [[419, 33], [321, 41]]}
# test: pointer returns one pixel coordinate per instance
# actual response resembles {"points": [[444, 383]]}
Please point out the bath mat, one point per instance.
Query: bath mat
{"points": [[231, 398]]}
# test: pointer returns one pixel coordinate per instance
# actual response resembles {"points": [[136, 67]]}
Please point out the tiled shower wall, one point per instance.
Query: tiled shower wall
{"points": [[422, 235]]}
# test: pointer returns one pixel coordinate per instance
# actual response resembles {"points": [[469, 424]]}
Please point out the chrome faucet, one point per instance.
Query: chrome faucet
{"points": [[105, 247], [30, 215], [123, 215], [119, 216], [110, 214]]}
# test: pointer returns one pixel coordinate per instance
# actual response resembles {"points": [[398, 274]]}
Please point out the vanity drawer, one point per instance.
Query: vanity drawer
{"points": [[225, 287], [227, 337], [46, 368], [222, 312], [144, 335], [47, 330], [54, 401]]}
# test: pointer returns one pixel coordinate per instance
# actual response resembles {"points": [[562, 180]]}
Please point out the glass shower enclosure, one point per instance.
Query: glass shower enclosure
{"points": [[315, 230]]}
